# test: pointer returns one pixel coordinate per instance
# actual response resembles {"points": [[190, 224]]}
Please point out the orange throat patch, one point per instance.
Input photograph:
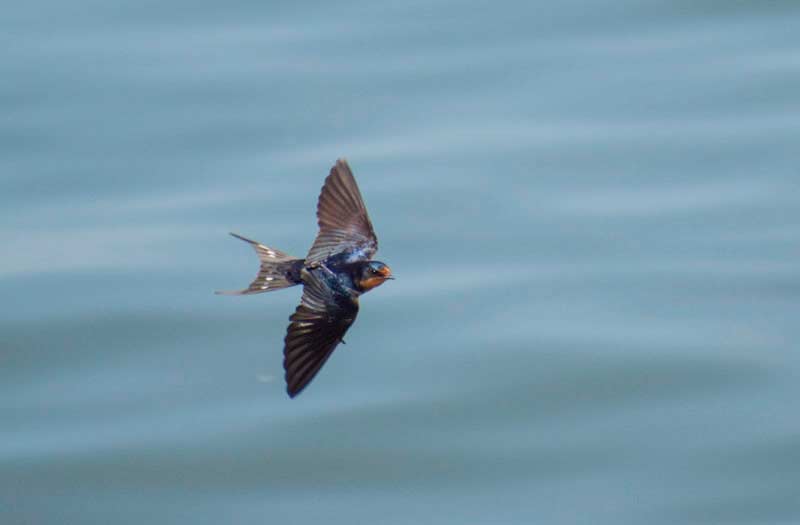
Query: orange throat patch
{"points": [[371, 282]]}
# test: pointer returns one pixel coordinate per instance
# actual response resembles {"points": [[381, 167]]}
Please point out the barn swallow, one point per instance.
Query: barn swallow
{"points": [[336, 271]]}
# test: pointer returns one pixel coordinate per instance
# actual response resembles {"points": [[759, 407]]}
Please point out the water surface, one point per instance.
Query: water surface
{"points": [[591, 208]]}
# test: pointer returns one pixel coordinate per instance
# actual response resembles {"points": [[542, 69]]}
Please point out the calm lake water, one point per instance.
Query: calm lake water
{"points": [[591, 209]]}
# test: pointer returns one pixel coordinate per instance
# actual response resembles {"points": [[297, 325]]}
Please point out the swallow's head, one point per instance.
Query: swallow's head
{"points": [[373, 273]]}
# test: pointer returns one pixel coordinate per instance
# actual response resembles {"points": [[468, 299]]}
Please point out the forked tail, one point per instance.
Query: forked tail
{"points": [[278, 270]]}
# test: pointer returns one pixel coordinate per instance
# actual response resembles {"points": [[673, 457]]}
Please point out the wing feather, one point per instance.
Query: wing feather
{"points": [[344, 224], [317, 327]]}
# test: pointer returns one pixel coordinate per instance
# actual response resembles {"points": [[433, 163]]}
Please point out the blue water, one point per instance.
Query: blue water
{"points": [[591, 209]]}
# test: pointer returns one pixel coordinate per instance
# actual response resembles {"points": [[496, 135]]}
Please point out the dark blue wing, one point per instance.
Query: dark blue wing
{"points": [[344, 225], [318, 326]]}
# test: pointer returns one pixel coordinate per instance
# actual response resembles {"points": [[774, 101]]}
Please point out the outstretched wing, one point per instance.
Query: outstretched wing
{"points": [[344, 226], [317, 327]]}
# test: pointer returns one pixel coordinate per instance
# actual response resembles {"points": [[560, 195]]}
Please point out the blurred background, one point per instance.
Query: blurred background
{"points": [[591, 208]]}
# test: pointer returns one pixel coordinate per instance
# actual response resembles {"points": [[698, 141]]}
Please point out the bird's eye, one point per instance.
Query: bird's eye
{"points": [[373, 271]]}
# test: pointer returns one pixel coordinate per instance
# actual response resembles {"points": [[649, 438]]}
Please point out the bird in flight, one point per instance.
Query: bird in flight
{"points": [[336, 271]]}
